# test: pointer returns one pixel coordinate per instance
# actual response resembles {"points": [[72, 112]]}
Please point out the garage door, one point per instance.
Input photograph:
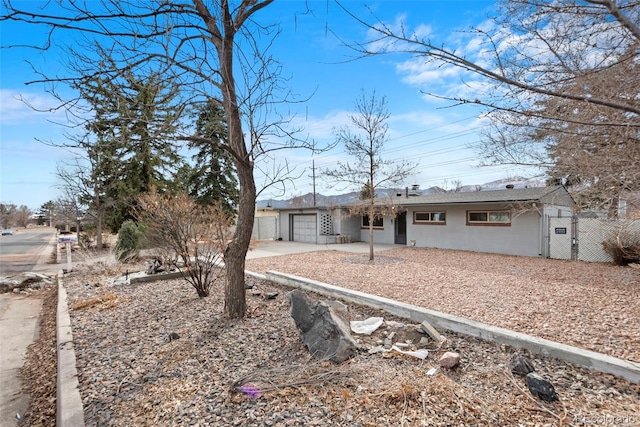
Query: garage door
{"points": [[304, 228]]}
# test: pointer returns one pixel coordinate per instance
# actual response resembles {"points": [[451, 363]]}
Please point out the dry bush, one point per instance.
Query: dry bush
{"points": [[193, 235], [103, 302], [624, 247]]}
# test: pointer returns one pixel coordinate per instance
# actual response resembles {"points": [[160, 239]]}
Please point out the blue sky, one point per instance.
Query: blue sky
{"points": [[420, 128]]}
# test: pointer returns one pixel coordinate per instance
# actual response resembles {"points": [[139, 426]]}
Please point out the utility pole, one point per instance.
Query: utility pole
{"points": [[313, 168]]}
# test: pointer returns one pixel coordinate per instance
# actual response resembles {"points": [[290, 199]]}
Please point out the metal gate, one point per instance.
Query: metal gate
{"points": [[265, 228], [562, 238]]}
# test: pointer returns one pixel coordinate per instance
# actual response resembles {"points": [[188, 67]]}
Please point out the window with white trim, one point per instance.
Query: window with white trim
{"points": [[430, 217], [377, 221], [488, 218]]}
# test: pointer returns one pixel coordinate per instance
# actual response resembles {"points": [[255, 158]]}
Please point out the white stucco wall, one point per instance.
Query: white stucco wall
{"points": [[345, 224], [522, 237], [383, 235]]}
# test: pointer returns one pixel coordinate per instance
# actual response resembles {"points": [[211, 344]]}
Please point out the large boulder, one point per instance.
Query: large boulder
{"points": [[324, 327]]}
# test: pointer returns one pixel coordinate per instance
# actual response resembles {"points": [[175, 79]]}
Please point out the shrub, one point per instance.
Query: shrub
{"points": [[624, 247], [181, 229], [87, 238], [131, 239]]}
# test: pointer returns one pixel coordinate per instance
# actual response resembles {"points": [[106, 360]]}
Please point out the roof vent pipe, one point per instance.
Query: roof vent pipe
{"points": [[510, 186], [406, 192]]}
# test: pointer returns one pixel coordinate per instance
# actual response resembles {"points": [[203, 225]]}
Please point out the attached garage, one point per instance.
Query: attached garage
{"points": [[303, 228]]}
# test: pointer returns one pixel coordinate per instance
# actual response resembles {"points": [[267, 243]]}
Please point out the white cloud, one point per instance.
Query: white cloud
{"points": [[321, 128], [419, 71], [18, 108]]}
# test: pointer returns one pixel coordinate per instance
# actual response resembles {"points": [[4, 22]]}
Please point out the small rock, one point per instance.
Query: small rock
{"points": [[248, 285], [271, 295], [520, 365], [540, 387], [450, 359], [394, 324], [377, 349]]}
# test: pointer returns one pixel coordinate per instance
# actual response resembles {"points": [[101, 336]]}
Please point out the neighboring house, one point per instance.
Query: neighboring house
{"points": [[510, 221]]}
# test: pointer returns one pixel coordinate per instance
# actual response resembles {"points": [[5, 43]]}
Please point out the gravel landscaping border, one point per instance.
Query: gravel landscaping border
{"points": [[256, 372]]}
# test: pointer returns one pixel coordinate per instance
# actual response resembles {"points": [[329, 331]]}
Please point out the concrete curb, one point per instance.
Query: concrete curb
{"points": [[585, 358], [155, 277], [69, 411]]}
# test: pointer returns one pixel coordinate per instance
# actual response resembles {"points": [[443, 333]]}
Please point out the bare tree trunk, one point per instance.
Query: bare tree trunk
{"points": [[371, 240], [99, 215], [371, 216], [235, 255], [99, 230], [78, 225]]}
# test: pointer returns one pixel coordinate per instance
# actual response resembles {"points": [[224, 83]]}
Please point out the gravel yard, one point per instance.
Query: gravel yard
{"points": [[589, 305], [132, 374]]}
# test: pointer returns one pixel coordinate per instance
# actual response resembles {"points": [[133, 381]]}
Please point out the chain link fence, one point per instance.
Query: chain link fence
{"points": [[583, 238]]}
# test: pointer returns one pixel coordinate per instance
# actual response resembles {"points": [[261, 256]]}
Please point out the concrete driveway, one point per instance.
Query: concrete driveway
{"points": [[267, 248]]}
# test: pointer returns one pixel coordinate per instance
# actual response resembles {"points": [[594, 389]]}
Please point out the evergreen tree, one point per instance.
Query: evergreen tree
{"points": [[132, 150], [213, 177]]}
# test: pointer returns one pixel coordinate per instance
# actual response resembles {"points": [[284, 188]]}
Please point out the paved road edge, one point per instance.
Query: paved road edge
{"points": [[585, 358], [69, 411]]}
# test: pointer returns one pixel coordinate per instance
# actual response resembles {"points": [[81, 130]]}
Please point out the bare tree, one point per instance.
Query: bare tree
{"points": [[7, 215], [197, 236], [78, 182], [569, 35], [564, 69], [453, 186], [12, 215], [369, 171], [214, 50]]}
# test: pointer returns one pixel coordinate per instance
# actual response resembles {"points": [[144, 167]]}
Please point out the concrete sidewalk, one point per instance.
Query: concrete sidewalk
{"points": [[19, 328]]}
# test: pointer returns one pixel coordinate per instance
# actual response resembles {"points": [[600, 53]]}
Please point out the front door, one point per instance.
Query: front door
{"points": [[401, 229]]}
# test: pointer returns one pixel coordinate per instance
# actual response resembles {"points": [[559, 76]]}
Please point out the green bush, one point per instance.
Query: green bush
{"points": [[131, 238]]}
